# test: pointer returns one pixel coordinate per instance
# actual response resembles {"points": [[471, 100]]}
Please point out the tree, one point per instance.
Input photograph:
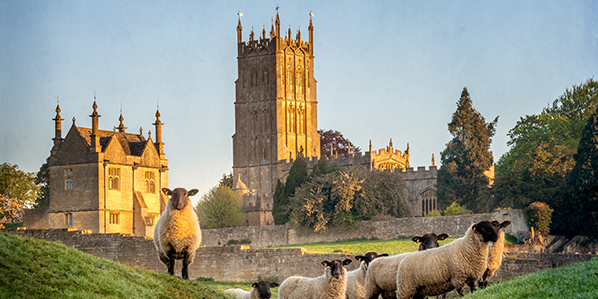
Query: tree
{"points": [[227, 180], [384, 193], [18, 191], [339, 143], [580, 205], [539, 216], [297, 176], [42, 179], [467, 156], [456, 209], [219, 208]]}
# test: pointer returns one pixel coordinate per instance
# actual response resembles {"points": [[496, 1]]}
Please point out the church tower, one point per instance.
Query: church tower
{"points": [[275, 114]]}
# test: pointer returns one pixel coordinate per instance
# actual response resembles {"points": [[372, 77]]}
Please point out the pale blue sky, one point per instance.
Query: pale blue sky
{"points": [[385, 69]]}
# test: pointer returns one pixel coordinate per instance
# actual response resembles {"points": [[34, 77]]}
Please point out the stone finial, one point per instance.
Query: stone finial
{"points": [[140, 131], [121, 127], [433, 160]]}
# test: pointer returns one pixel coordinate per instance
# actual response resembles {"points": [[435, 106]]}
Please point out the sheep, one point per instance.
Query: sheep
{"points": [[259, 290], [428, 241], [494, 253], [381, 276], [356, 278], [440, 270], [177, 234], [331, 285]]}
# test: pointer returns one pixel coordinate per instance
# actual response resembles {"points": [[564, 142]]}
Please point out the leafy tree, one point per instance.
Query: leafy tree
{"points": [[539, 216], [456, 209], [467, 156], [219, 208], [18, 191], [383, 193], [297, 176], [580, 205], [227, 180], [339, 143], [42, 179]]}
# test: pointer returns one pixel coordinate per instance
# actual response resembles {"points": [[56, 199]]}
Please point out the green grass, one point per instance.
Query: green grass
{"points": [[362, 245], [579, 280], [32, 268]]}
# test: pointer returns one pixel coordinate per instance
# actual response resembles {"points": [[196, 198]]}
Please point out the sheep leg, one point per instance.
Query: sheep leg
{"points": [[186, 265], [171, 262], [460, 291], [472, 285]]}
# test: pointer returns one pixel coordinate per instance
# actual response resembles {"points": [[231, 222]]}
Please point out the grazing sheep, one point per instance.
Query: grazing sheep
{"points": [[494, 253], [440, 270], [177, 234], [428, 241], [381, 279], [259, 290], [331, 285], [356, 278]]}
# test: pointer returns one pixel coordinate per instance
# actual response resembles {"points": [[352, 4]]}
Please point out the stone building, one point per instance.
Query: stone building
{"points": [[104, 181]]}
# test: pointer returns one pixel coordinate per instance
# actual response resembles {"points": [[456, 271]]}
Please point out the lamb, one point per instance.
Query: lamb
{"points": [[494, 253], [381, 276], [440, 270], [177, 234], [356, 278], [331, 285], [428, 241], [259, 290]]}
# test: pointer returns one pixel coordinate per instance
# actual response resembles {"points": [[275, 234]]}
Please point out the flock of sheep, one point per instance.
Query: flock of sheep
{"points": [[431, 271]]}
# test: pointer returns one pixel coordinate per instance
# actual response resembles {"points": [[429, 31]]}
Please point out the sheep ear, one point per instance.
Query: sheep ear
{"points": [[505, 224], [346, 262], [359, 258], [273, 284], [496, 224], [192, 192], [254, 285], [167, 191], [325, 263], [442, 237], [416, 239], [384, 254]]}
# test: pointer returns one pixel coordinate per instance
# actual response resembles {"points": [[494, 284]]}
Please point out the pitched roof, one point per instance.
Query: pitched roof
{"points": [[133, 144]]}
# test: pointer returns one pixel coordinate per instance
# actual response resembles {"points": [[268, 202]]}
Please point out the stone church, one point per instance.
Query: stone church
{"points": [[104, 181], [276, 118]]}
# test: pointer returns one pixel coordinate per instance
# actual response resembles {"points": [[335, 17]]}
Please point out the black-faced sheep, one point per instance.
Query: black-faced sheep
{"points": [[356, 278], [177, 234], [428, 241], [440, 270], [259, 290], [331, 285], [494, 253]]}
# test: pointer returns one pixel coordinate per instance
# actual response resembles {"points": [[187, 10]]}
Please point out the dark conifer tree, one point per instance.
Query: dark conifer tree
{"points": [[297, 176], [466, 157]]}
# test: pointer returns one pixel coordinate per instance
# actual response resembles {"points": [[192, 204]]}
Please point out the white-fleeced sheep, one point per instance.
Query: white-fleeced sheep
{"points": [[429, 241], [259, 290], [177, 234], [440, 270], [494, 253], [356, 278], [331, 285]]}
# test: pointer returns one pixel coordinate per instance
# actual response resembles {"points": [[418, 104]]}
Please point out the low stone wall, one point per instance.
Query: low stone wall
{"points": [[280, 235]]}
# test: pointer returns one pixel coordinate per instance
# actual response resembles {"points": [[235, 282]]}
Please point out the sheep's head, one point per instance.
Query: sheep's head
{"points": [[263, 288], [498, 226], [369, 257], [486, 230], [428, 241], [179, 197], [336, 267]]}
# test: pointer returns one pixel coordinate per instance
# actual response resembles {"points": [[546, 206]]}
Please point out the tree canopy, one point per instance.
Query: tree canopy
{"points": [[466, 157], [17, 191], [297, 176], [339, 143], [42, 179], [219, 208]]}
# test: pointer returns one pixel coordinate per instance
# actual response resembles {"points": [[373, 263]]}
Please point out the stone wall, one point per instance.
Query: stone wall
{"points": [[239, 263], [280, 235]]}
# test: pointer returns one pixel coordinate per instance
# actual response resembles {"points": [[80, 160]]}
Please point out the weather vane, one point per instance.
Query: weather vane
{"points": [[239, 13], [311, 14]]}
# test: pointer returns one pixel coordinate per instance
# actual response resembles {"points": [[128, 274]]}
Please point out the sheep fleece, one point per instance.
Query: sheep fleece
{"points": [[495, 254], [179, 230], [382, 275], [321, 287], [242, 294]]}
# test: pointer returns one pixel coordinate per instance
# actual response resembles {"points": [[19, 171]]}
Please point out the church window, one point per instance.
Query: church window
{"points": [[68, 218], [68, 181], [428, 200], [290, 82], [150, 185], [114, 218], [114, 178], [299, 83], [291, 119]]}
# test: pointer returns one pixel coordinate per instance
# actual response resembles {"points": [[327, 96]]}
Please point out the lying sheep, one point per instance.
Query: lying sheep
{"points": [[440, 270], [356, 278], [428, 241], [381, 279], [331, 285], [259, 290], [494, 253], [177, 234]]}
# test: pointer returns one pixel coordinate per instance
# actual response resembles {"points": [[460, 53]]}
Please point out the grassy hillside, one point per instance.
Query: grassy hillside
{"points": [[32, 268]]}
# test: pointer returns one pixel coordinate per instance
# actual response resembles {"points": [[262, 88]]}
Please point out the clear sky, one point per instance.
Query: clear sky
{"points": [[385, 69]]}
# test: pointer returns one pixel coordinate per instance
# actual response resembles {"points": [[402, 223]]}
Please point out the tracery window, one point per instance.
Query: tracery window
{"points": [[150, 186], [429, 201], [114, 178]]}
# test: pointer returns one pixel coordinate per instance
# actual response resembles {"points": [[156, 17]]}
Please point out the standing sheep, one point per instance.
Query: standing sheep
{"points": [[259, 290], [356, 278], [428, 241], [440, 270], [494, 253], [177, 234], [331, 285]]}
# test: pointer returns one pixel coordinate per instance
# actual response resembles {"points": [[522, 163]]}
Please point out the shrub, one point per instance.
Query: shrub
{"points": [[219, 208], [539, 215], [456, 209], [433, 213]]}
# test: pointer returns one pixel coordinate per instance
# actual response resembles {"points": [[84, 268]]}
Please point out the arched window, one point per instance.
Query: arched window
{"points": [[110, 181], [429, 202], [113, 178], [68, 184], [150, 186]]}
